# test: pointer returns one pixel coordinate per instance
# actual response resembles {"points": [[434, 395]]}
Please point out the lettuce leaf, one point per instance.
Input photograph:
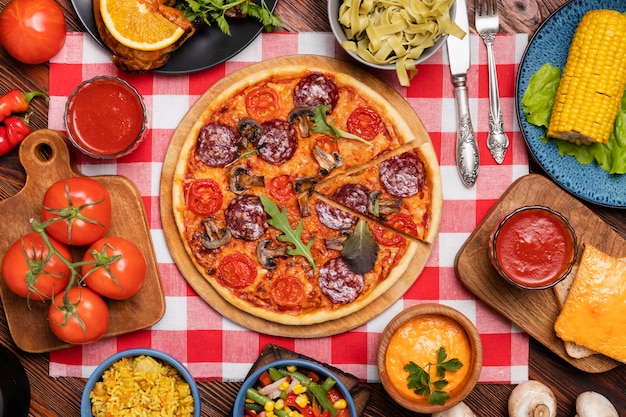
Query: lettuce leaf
{"points": [[537, 103]]}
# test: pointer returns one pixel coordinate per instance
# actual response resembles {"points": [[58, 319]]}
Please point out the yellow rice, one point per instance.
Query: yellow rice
{"points": [[141, 386]]}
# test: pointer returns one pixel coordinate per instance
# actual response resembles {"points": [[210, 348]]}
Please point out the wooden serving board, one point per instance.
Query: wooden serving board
{"points": [[203, 287], [46, 159], [535, 311]]}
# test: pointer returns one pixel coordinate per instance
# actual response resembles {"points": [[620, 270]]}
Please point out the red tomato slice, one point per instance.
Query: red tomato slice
{"points": [[262, 103], [204, 197], [404, 223], [281, 188], [386, 237], [287, 291], [237, 270], [365, 123], [328, 144]]}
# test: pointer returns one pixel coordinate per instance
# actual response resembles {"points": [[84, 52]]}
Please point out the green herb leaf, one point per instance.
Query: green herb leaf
{"points": [[322, 125], [360, 249], [420, 382], [280, 221]]}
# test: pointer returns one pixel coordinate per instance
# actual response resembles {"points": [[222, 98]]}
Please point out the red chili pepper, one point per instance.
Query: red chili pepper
{"points": [[12, 133], [15, 101]]}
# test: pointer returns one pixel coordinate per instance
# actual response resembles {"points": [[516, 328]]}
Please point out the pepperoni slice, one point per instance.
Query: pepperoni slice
{"points": [[353, 196], [338, 283], [315, 90], [204, 197], [403, 175], [262, 103], [364, 122], [333, 217], [281, 188], [278, 141], [287, 291], [217, 145], [245, 217], [237, 270]]}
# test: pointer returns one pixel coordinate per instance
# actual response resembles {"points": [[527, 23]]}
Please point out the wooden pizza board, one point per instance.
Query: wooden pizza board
{"points": [[535, 311], [204, 288], [46, 159]]}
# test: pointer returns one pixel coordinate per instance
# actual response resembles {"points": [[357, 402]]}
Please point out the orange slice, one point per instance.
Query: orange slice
{"points": [[138, 25]]}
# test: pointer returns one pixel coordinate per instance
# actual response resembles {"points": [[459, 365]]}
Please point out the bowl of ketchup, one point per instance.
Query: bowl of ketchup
{"points": [[105, 117], [534, 247]]}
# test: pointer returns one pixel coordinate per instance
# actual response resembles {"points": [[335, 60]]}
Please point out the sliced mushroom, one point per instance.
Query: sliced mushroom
{"points": [[532, 399], [459, 410], [303, 204], [336, 243], [303, 184], [267, 256], [249, 131], [591, 403], [327, 161], [382, 208], [214, 236], [302, 117], [241, 179]]}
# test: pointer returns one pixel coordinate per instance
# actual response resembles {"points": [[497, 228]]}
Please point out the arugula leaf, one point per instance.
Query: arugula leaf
{"points": [[322, 125], [280, 221], [360, 249], [214, 11], [419, 379]]}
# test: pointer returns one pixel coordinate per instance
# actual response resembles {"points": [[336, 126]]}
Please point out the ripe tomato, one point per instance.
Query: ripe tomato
{"points": [[32, 31], [237, 270], [365, 123], [119, 270], [403, 222], [27, 271], [287, 291], [84, 319], [262, 103], [281, 188], [83, 206], [204, 197], [386, 237]]}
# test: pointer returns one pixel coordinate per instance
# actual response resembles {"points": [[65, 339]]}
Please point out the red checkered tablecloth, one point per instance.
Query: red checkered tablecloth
{"points": [[213, 347]]}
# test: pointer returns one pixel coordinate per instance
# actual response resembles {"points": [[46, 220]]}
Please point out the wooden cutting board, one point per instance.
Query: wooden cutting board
{"points": [[203, 287], [535, 311], [46, 159]]}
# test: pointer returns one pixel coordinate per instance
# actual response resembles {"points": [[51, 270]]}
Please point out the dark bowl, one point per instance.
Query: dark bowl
{"points": [[14, 386]]}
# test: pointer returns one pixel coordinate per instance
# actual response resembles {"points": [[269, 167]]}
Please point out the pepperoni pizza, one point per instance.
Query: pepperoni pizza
{"points": [[300, 196]]}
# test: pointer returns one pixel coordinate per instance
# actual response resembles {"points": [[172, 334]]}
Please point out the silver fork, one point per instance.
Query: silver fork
{"points": [[487, 25]]}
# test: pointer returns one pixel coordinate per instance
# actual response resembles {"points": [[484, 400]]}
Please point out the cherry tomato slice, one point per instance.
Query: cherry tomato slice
{"points": [[262, 103], [365, 123], [204, 197], [386, 237], [328, 144], [281, 188], [237, 270], [404, 223], [287, 291]]}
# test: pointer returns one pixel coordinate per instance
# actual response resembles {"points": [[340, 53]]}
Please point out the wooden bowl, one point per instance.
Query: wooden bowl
{"points": [[471, 367]]}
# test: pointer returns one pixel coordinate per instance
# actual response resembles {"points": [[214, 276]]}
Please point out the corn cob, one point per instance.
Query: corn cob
{"points": [[593, 80]]}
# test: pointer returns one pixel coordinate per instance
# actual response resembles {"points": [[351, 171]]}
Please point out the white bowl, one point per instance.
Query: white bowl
{"points": [[337, 29]]}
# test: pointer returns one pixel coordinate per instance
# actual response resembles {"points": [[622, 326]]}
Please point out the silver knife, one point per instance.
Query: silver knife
{"points": [[467, 157]]}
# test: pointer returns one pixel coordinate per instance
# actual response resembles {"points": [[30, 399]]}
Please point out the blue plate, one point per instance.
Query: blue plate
{"points": [[550, 44]]}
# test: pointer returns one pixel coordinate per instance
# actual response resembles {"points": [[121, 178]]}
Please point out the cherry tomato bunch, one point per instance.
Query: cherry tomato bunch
{"points": [[76, 212]]}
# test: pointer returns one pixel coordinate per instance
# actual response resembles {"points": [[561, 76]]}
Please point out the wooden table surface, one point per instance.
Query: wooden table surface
{"points": [[61, 396]]}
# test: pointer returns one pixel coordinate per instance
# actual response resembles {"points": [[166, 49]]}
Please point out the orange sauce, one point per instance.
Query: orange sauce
{"points": [[418, 340]]}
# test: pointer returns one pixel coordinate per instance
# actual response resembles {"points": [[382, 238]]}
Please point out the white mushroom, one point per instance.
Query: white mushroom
{"points": [[532, 399], [592, 404], [459, 410]]}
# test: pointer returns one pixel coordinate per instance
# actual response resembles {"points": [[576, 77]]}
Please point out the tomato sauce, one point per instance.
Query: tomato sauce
{"points": [[105, 117], [533, 247], [418, 340]]}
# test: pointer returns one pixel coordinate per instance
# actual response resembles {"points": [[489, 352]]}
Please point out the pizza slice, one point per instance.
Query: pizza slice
{"points": [[400, 189]]}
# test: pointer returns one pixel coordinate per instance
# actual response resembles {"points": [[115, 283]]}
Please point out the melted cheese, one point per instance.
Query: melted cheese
{"points": [[594, 314]]}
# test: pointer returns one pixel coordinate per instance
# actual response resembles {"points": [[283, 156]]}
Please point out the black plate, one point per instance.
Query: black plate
{"points": [[205, 49], [14, 386]]}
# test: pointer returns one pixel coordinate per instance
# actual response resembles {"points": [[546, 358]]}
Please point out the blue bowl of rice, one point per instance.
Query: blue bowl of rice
{"points": [[164, 380], [303, 366]]}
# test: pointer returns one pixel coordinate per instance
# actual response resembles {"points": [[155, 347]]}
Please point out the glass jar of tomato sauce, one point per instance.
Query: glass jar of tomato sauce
{"points": [[534, 247], [105, 117]]}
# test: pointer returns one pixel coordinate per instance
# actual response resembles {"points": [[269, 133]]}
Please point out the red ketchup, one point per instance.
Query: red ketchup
{"points": [[533, 247], [105, 117]]}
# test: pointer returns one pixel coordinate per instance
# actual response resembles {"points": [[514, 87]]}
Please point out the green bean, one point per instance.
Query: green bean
{"points": [[254, 395], [328, 383], [274, 374], [256, 407], [321, 397]]}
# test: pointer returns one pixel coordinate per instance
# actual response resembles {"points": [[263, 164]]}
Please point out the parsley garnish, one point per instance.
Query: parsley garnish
{"points": [[280, 221], [214, 11], [420, 382], [322, 125]]}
